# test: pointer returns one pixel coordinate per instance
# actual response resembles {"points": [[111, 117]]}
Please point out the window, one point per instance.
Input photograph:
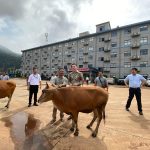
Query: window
{"points": [[73, 51], [102, 28], [91, 48], [81, 50], [80, 58], [144, 52], [114, 33], [60, 46], [90, 65], [114, 44], [100, 58], [66, 52], [144, 40], [101, 49], [80, 66], [127, 43], [73, 43], [60, 53], [53, 54], [127, 54], [113, 54], [91, 39], [127, 64], [144, 28], [73, 59], [143, 64], [101, 39], [127, 31], [90, 57], [66, 44], [113, 65], [82, 41]]}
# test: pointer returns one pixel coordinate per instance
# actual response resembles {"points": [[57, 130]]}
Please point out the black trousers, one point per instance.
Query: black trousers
{"points": [[137, 93], [33, 90]]}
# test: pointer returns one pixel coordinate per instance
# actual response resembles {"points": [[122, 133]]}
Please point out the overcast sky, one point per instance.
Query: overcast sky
{"points": [[23, 23]]}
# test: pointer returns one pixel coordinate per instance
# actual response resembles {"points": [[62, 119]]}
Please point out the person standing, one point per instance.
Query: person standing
{"points": [[60, 81], [75, 78], [136, 81], [101, 81], [34, 81], [87, 80], [4, 76]]}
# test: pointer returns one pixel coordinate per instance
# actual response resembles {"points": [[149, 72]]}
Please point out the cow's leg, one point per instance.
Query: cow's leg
{"points": [[9, 99], [75, 117], [73, 125], [99, 110], [93, 120]]}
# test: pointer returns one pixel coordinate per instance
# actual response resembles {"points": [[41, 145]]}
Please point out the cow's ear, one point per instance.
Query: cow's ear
{"points": [[47, 86]]}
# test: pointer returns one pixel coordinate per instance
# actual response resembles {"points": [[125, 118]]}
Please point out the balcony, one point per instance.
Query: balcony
{"points": [[106, 59], [135, 45], [85, 60], [106, 69], [69, 47], [86, 44], [135, 34], [107, 50], [85, 52], [107, 39], [69, 54], [135, 57]]}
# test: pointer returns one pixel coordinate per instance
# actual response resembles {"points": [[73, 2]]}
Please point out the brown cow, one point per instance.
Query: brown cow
{"points": [[73, 100], [6, 90]]}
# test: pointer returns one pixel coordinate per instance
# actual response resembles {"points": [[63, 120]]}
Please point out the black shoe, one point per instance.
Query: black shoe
{"points": [[140, 113], [29, 105], [127, 109], [35, 104]]}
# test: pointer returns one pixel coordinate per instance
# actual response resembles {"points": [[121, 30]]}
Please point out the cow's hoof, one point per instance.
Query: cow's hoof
{"points": [[7, 106], [94, 134], [88, 127], [76, 133], [72, 129], [52, 121]]}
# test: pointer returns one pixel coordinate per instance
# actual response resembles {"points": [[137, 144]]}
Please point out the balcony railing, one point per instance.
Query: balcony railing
{"points": [[135, 45], [106, 70], [107, 39], [106, 50], [134, 34], [135, 57], [106, 59], [86, 44]]}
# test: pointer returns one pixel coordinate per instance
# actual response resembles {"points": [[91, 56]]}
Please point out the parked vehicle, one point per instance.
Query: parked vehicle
{"points": [[121, 81], [148, 82], [110, 80]]}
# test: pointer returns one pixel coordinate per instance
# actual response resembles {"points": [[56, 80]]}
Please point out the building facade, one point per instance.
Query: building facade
{"points": [[114, 51]]}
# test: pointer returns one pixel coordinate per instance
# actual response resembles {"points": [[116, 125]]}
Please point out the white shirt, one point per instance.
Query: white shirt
{"points": [[6, 77], [34, 79], [134, 80]]}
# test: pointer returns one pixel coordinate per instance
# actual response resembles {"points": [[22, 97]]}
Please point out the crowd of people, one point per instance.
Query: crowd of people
{"points": [[133, 81]]}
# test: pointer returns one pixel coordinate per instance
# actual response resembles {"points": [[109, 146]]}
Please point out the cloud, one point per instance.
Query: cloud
{"points": [[33, 18], [14, 9]]}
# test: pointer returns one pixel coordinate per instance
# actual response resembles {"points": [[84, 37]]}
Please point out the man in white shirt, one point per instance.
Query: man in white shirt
{"points": [[4, 76], [134, 81], [34, 81]]}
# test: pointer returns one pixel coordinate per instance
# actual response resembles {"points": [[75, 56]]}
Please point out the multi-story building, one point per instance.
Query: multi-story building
{"points": [[113, 50]]}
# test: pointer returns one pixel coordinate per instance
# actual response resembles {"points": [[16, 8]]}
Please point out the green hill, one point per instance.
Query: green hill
{"points": [[9, 59]]}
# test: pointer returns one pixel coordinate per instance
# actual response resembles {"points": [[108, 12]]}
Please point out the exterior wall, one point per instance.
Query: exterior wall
{"points": [[116, 51]]}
